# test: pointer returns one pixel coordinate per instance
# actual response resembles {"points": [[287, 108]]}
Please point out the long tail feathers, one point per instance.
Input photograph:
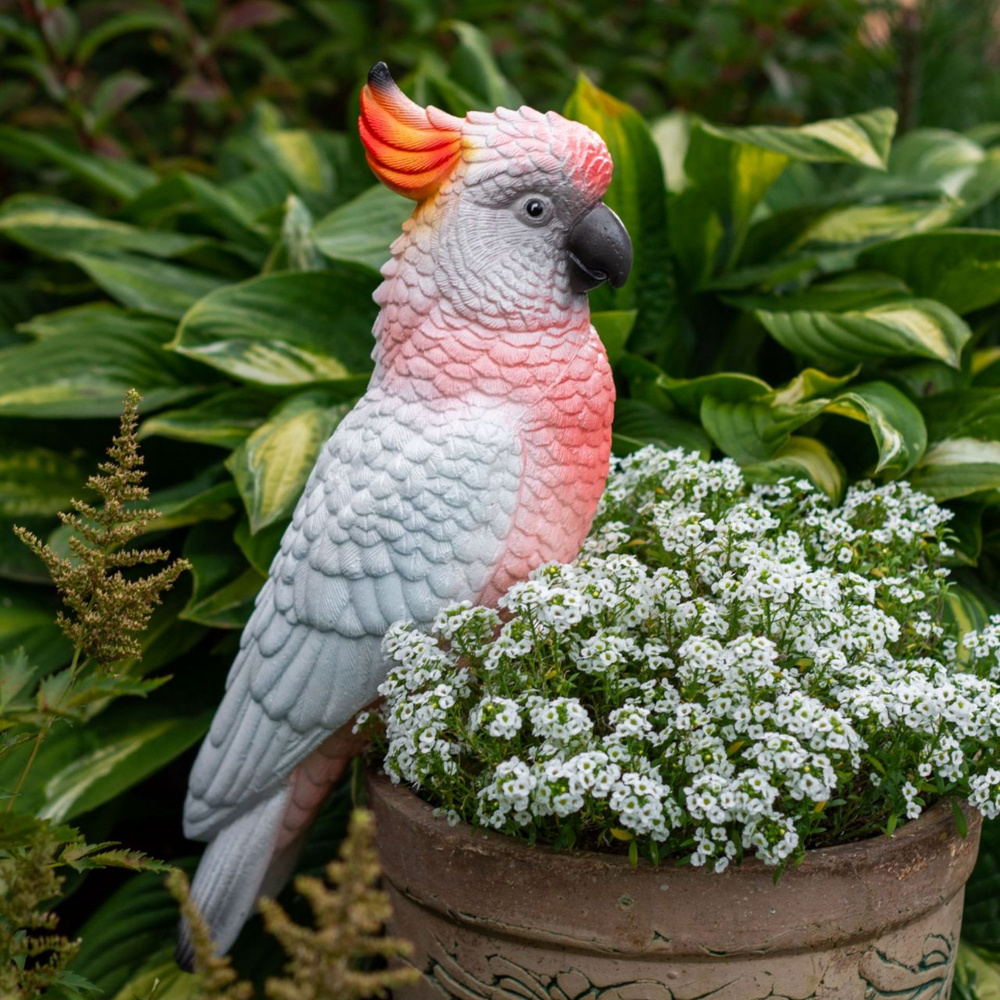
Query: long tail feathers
{"points": [[232, 869]]}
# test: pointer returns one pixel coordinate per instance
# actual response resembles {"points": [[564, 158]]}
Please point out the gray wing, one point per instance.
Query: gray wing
{"points": [[406, 510]]}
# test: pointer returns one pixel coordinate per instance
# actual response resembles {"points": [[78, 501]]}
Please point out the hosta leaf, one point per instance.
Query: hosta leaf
{"points": [[295, 249], [977, 972], [152, 286], [614, 327], [906, 326], [225, 419], [127, 930], [120, 178], [638, 195], [37, 481], [27, 621], [752, 431], [224, 584], [221, 209], [896, 424], [638, 424], [801, 457], [863, 139], [959, 467], [959, 267], [260, 548], [732, 387], [855, 224], [710, 219], [101, 764], [362, 230], [473, 66], [56, 227], [287, 329], [963, 412], [271, 467], [809, 383], [85, 369]]}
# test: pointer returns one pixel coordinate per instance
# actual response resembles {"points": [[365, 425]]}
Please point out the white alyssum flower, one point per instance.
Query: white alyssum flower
{"points": [[725, 669]]}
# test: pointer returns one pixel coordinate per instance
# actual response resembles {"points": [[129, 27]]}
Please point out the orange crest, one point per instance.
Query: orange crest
{"points": [[411, 149]]}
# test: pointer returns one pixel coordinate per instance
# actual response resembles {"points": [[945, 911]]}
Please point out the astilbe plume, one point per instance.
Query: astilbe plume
{"points": [[217, 977], [31, 962], [323, 962], [349, 913], [108, 609]]}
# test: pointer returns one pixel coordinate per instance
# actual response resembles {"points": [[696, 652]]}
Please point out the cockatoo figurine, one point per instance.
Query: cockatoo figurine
{"points": [[478, 452]]}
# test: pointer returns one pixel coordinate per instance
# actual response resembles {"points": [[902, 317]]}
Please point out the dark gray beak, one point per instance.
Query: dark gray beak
{"points": [[599, 250]]}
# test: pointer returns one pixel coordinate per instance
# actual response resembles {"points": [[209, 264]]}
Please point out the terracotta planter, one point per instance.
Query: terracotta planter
{"points": [[493, 918]]}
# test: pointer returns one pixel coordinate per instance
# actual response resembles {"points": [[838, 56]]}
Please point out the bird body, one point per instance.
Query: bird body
{"points": [[478, 452]]}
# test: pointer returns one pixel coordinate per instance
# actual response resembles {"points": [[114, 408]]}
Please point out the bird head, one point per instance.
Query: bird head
{"points": [[509, 203]]}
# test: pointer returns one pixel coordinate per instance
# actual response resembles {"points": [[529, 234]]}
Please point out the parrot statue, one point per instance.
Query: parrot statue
{"points": [[478, 452]]}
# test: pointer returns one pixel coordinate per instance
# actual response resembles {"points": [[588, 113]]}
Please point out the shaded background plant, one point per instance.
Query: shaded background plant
{"points": [[814, 300]]}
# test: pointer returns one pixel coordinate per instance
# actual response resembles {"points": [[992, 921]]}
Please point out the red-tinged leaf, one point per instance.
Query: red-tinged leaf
{"points": [[117, 91], [250, 14], [198, 90], [60, 27]]}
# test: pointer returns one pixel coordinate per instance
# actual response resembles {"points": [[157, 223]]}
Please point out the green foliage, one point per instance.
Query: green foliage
{"points": [[813, 300]]}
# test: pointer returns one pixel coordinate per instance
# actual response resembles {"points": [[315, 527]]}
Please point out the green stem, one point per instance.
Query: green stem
{"points": [[74, 668]]}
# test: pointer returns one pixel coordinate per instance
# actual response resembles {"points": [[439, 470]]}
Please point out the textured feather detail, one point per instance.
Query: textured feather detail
{"points": [[409, 148], [231, 871], [362, 551]]}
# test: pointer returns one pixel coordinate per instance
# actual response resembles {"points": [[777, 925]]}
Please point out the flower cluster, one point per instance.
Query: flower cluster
{"points": [[726, 669]]}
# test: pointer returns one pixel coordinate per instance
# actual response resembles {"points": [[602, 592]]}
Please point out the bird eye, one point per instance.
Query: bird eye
{"points": [[534, 209]]}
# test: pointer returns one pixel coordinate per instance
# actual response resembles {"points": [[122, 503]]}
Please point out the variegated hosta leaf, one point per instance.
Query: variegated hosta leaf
{"points": [[287, 328], [361, 231], [959, 267], [753, 431], [271, 466], [862, 139], [959, 467], [802, 457], [902, 327], [895, 423]]}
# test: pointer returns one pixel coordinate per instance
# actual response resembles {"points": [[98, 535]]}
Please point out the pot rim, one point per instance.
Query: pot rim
{"points": [[866, 886]]}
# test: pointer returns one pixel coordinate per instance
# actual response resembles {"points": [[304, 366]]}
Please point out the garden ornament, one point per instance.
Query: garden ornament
{"points": [[479, 451]]}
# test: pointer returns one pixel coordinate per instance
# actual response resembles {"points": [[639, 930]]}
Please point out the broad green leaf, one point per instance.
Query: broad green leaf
{"points": [[473, 66], [56, 228], [637, 194], [710, 219], [614, 327], [38, 481], [130, 931], [119, 178], [295, 249], [638, 424], [977, 971], [106, 763], [85, 369], [220, 208], [753, 431], [967, 609], [271, 467], [671, 133], [959, 467], [225, 419], [153, 286], [906, 326], [802, 457], [224, 584], [963, 412], [959, 267], [362, 230], [286, 329], [896, 424], [855, 224], [731, 387], [809, 383], [27, 620], [863, 139], [260, 548]]}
